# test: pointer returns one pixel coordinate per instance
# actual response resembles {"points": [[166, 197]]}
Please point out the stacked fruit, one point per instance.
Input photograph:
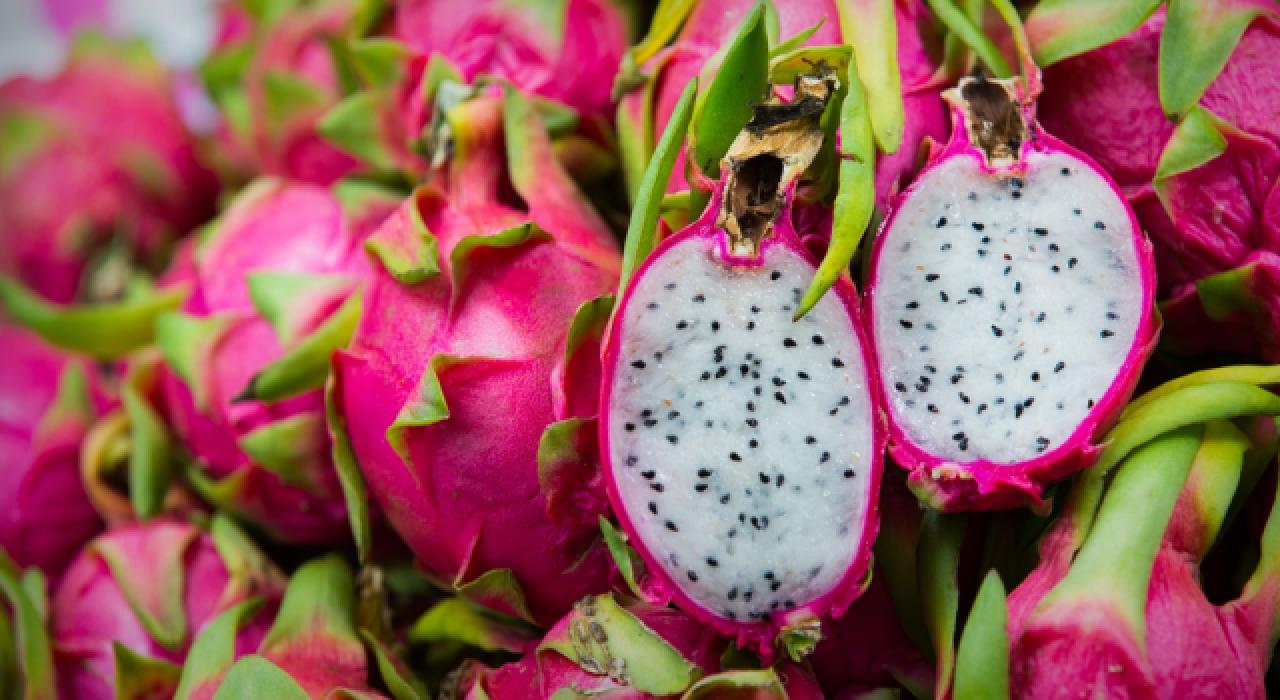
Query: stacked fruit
{"points": [[697, 349]]}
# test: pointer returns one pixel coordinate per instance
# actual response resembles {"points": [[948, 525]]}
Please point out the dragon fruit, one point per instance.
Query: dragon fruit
{"points": [[315, 646], [271, 294], [644, 113], [46, 407], [124, 615], [100, 175], [1208, 216], [761, 519], [468, 397], [1058, 309], [567, 51]]}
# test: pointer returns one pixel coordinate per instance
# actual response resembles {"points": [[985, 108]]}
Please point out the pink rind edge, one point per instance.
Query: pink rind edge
{"points": [[986, 485], [759, 636]]}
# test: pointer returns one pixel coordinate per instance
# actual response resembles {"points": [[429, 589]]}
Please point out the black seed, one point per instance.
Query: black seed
{"points": [[715, 326], [943, 296], [932, 276], [709, 424], [1112, 315], [657, 487], [958, 436], [942, 221], [704, 473], [982, 253], [753, 422], [751, 325], [837, 362], [775, 585], [1099, 225], [1015, 182], [672, 526], [1016, 194], [963, 397], [638, 364], [802, 375], [630, 427], [672, 439], [826, 457], [981, 407], [755, 522], [925, 380], [751, 405], [753, 443], [945, 247], [682, 325], [1058, 367], [1054, 247], [788, 343], [780, 478], [1055, 268], [699, 298], [700, 487], [747, 596], [755, 309], [1040, 317], [657, 356], [817, 340], [1035, 376], [973, 196], [1107, 334], [653, 507], [706, 376], [631, 461], [978, 226], [724, 499], [964, 444], [844, 401], [977, 291], [650, 422], [1017, 287], [922, 388], [1030, 400], [996, 329], [732, 594], [764, 478], [779, 381], [1017, 410], [905, 323], [711, 561], [652, 305], [1041, 231], [735, 456], [913, 305], [1019, 355], [693, 575], [781, 399], [955, 378], [1066, 171], [848, 473], [669, 286], [933, 408], [757, 391], [775, 275], [647, 412], [999, 377], [809, 439], [1090, 403], [1007, 268], [755, 375], [986, 239], [900, 386], [1042, 440], [744, 369], [720, 373]]}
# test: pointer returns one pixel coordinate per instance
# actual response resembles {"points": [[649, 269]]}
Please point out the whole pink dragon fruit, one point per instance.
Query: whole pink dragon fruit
{"points": [[125, 613], [272, 284], [315, 647], [743, 448], [46, 407], [565, 51], [644, 113], [1201, 176], [469, 389], [99, 173], [1145, 629], [1011, 335]]}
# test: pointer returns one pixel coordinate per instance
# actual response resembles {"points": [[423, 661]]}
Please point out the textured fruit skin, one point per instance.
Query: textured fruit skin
{"points": [[982, 484], [711, 24], [466, 496], [275, 227], [484, 37], [1106, 103], [45, 516], [89, 610], [99, 151], [755, 635]]}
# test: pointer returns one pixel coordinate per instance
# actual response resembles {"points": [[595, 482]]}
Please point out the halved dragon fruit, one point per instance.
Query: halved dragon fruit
{"points": [[125, 613], [1180, 109], [100, 174], [469, 389], [742, 448], [1010, 300], [46, 407], [272, 285]]}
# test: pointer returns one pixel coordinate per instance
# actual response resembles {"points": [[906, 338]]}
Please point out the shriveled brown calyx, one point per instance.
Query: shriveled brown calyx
{"points": [[775, 148], [993, 116]]}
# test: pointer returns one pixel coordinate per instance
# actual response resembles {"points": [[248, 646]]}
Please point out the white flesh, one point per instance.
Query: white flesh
{"points": [[803, 530], [1004, 356]]}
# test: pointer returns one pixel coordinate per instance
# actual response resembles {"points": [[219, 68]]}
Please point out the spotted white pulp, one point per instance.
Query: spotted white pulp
{"points": [[741, 441], [1004, 307]]}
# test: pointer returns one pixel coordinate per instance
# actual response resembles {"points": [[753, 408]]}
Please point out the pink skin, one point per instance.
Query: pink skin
{"points": [[712, 23], [481, 37], [1106, 103], [467, 499], [294, 228], [1190, 330], [70, 15], [45, 516], [860, 650], [981, 484], [89, 611], [758, 636], [116, 158]]}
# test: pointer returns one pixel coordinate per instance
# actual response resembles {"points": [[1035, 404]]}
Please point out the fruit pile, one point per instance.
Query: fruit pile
{"points": [[691, 349]]}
